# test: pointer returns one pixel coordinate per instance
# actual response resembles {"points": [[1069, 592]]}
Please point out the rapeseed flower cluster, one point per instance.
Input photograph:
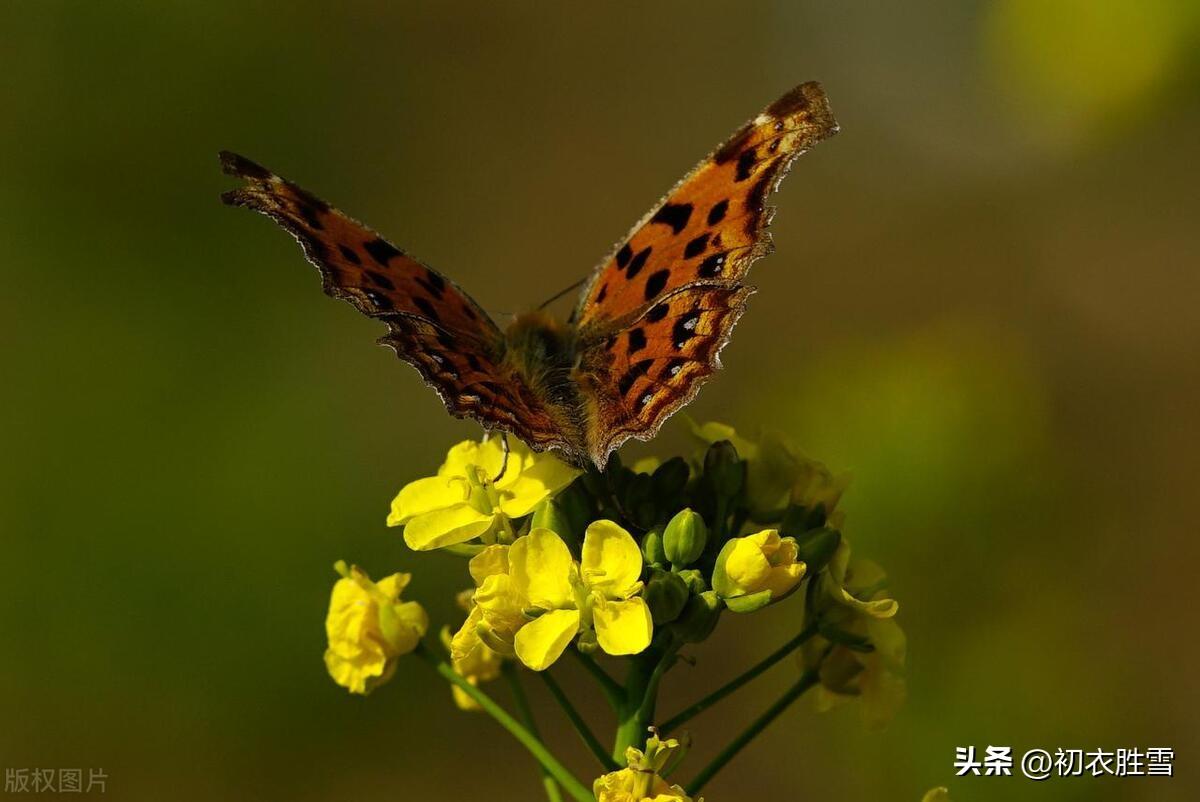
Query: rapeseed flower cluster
{"points": [[633, 565]]}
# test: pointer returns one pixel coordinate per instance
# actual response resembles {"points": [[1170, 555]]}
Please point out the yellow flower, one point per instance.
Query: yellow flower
{"points": [[858, 584], [369, 627], [462, 502], [856, 604], [763, 563], [534, 595], [471, 657], [642, 780], [501, 607]]}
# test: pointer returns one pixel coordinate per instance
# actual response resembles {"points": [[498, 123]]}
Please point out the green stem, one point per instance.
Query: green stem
{"points": [[611, 689], [553, 794], [631, 727], [806, 681], [589, 738], [650, 695], [531, 742], [725, 690]]}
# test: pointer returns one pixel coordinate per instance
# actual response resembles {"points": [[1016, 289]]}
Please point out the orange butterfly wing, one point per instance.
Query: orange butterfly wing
{"points": [[636, 377], [432, 324], [681, 266]]}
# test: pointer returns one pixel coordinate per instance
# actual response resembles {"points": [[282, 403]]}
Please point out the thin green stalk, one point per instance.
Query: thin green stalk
{"points": [[531, 742], [589, 738], [553, 794], [725, 690], [631, 727], [806, 681], [650, 695], [611, 689]]}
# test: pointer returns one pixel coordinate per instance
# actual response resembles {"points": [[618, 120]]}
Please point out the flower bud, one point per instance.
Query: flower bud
{"points": [[684, 538], [723, 469], [757, 564], [699, 617], [666, 594], [816, 548], [652, 548], [670, 478]]}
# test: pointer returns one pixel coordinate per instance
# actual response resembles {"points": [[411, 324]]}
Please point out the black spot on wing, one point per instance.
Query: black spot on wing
{"points": [[434, 290], [638, 262], [436, 281], [603, 292], [675, 215], [745, 165], [656, 283], [712, 266], [381, 250], [696, 246], [684, 329], [657, 313], [717, 213], [380, 280], [624, 255], [637, 340], [310, 216], [426, 308], [349, 255]]}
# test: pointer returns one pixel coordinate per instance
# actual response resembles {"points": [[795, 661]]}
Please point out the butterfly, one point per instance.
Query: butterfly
{"points": [[650, 322]]}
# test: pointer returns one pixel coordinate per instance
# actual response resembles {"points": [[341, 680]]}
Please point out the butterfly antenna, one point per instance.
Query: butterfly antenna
{"points": [[561, 293]]}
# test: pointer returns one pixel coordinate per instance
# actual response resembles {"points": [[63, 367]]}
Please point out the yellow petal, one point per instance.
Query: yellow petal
{"points": [[612, 561], [782, 579], [502, 606], [520, 458], [392, 586], [460, 458], [544, 477], [747, 567], [445, 527], [425, 495], [542, 641], [462, 701], [492, 560], [540, 564], [623, 627]]}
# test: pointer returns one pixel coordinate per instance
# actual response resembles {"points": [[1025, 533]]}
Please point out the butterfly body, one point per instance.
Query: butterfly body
{"points": [[650, 322]]}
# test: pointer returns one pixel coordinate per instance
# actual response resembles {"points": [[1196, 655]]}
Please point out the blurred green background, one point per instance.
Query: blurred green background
{"points": [[983, 302]]}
